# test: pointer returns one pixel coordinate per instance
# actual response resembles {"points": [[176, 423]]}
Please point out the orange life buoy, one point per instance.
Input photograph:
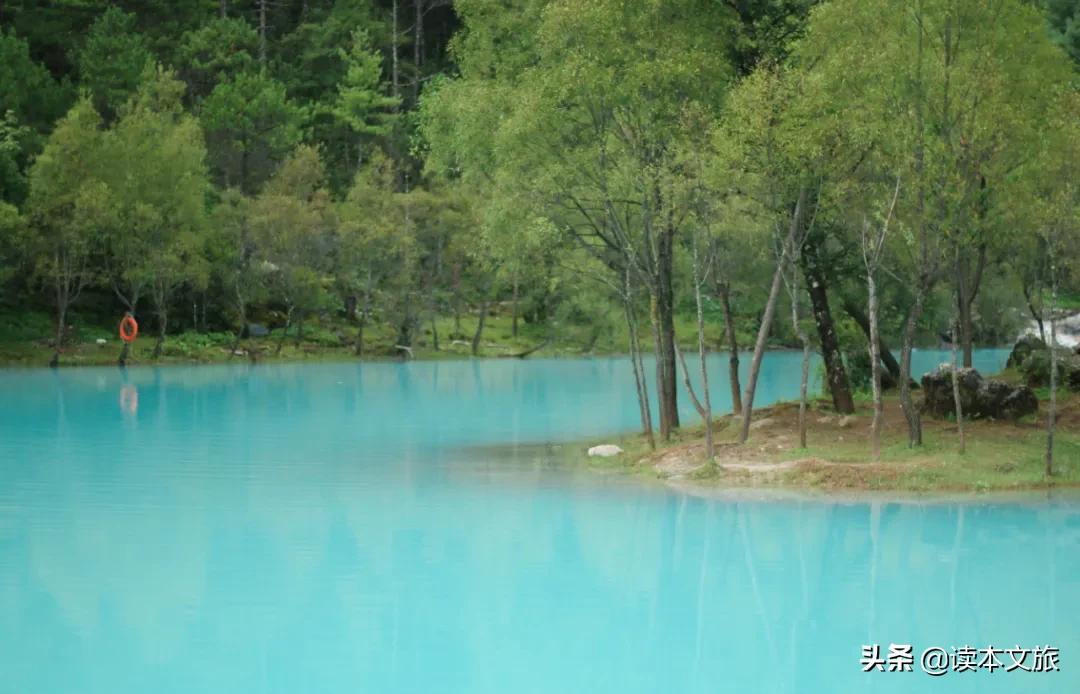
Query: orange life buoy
{"points": [[129, 329]]}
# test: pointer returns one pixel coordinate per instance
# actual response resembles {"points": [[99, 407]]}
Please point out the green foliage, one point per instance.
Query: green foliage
{"points": [[112, 60], [252, 125], [28, 91], [1063, 16], [291, 224], [156, 173], [362, 103], [222, 47]]}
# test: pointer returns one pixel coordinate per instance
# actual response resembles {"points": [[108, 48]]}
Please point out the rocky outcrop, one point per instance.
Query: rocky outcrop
{"points": [[1023, 349], [1036, 369], [979, 398]]}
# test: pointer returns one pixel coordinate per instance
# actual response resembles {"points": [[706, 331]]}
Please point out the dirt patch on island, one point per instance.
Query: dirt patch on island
{"points": [[839, 452]]}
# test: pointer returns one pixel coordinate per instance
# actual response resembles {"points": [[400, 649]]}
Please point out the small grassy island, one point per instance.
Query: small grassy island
{"points": [[1000, 456]]}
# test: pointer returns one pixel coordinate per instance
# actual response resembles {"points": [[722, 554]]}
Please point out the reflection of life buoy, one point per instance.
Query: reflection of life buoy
{"points": [[129, 329], [129, 399]]}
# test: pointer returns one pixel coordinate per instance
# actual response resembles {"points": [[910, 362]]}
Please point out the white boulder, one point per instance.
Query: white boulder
{"points": [[605, 450]]}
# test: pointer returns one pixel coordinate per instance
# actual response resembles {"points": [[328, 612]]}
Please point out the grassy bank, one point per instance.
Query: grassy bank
{"points": [[1000, 456], [26, 340]]}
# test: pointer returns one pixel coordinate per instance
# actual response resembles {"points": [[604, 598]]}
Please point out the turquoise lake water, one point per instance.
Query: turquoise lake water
{"points": [[390, 528]]}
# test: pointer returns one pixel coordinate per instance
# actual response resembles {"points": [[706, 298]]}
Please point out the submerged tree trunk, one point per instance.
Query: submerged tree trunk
{"points": [[733, 348], [766, 319]]}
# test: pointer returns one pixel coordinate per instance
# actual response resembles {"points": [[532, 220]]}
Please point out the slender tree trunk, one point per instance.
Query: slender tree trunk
{"points": [[698, 405], [709, 451], [418, 47], [457, 299], [836, 374], [262, 33], [285, 330], [804, 387], [480, 327], [956, 381], [395, 73], [766, 319], [224, 5], [163, 322], [664, 320], [514, 307], [884, 353], [911, 412], [704, 408], [638, 367], [759, 351], [733, 348], [125, 352], [805, 340], [434, 333], [875, 364], [1051, 413], [967, 289], [1035, 314], [300, 315], [872, 249], [61, 317], [365, 312], [241, 309]]}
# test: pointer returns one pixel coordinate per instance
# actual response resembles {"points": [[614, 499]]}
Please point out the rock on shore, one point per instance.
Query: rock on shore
{"points": [[979, 397]]}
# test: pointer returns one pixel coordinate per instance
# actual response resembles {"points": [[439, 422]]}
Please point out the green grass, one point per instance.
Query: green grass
{"points": [[25, 338], [999, 456]]}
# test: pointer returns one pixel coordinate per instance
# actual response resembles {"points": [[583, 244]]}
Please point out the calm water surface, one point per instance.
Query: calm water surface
{"points": [[347, 528]]}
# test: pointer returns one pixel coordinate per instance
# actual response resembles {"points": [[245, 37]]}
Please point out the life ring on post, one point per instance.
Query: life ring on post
{"points": [[129, 329]]}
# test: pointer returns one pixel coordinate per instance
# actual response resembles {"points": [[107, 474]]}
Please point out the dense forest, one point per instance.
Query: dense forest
{"points": [[853, 177]]}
